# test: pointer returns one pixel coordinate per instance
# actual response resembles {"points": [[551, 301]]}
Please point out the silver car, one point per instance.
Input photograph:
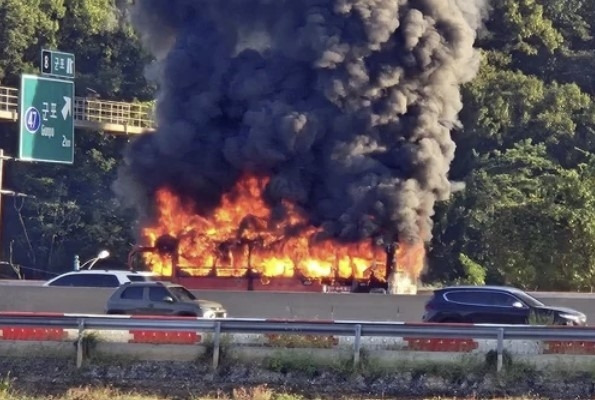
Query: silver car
{"points": [[161, 298]]}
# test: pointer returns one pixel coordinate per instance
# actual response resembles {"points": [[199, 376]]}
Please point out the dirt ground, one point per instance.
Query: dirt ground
{"points": [[178, 380]]}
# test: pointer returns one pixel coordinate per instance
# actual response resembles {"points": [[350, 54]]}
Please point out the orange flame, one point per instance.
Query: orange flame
{"points": [[240, 235]]}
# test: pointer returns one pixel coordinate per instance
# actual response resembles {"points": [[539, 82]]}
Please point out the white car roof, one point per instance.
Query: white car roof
{"points": [[122, 273], [118, 272]]}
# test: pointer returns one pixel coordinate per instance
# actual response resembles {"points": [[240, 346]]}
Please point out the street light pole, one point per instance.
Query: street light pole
{"points": [[102, 254]]}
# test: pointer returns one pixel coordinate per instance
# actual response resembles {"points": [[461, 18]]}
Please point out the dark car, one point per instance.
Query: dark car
{"points": [[495, 305], [161, 298]]}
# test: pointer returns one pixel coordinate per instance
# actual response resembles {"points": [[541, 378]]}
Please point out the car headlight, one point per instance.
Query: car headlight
{"points": [[574, 318], [208, 314]]}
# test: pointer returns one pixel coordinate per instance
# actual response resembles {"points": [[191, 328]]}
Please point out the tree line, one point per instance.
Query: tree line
{"points": [[525, 152]]}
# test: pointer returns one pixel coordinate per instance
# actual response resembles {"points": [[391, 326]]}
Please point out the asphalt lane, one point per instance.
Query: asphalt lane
{"points": [[322, 306]]}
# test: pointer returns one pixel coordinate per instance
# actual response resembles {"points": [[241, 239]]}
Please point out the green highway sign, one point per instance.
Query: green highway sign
{"points": [[57, 63], [46, 120]]}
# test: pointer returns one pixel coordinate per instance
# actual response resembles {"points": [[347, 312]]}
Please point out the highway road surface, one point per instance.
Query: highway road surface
{"points": [[324, 306]]}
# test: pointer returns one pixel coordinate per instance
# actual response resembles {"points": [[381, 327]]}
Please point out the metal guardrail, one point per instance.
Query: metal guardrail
{"points": [[355, 329], [113, 116], [339, 328]]}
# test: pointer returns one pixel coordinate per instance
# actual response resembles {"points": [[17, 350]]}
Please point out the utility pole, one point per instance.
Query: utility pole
{"points": [[6, 193], [2, 158]]}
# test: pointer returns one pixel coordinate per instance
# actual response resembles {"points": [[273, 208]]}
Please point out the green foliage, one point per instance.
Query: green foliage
{"points": [[285, 362], [300, 341], [6, 385], [209, 344], [90, 340], [491, 360], [532, 221], [74, 211], [505, 107], [25, 27], [261, 392], [520, 371], [288, 396], [110, 59], [88, 17], [526, 154], [475, 274], [529, 30], [452, 372], [571, 17]]}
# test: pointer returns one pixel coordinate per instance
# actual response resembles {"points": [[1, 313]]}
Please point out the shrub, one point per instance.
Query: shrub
{"points": [[6, 385], [491, 360], [261, 392], [305, 364], [301, 341]]}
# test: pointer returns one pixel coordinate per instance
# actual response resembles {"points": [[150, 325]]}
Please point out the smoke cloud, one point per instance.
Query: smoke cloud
{"points": [[347, 105]]}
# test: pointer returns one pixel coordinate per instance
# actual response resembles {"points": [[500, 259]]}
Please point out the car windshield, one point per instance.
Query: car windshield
{"points": [[528, 299], [182, 293]]}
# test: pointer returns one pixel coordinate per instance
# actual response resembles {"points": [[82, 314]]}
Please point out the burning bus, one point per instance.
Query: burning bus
{"points": [[238, 248], [299, 145]]}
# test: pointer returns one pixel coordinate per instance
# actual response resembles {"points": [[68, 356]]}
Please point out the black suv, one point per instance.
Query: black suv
{"points": [[495, 305]]}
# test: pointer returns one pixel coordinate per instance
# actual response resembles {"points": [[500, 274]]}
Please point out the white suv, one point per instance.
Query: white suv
{"points": [[100, 278]]}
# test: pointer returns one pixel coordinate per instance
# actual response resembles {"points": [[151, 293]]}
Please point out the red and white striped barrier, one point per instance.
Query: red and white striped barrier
{"points": [[32, 333]]}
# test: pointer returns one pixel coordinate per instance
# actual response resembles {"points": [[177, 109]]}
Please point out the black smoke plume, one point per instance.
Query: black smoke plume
{"points": [[347, 105]]}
